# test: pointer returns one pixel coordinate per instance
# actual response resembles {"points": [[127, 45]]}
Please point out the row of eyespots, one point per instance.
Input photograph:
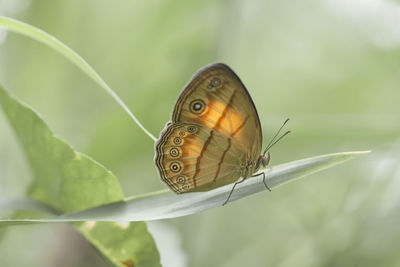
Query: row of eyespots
{"points": [[178, 140], [175, 152], [176, 167]]}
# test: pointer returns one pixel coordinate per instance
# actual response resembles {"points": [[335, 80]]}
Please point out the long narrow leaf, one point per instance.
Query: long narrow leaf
{"points": [[165, 204], [49, 40]]}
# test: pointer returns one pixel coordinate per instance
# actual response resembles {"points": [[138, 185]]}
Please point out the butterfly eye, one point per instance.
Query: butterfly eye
{"points": [[182, 133], [174, 152], [192, 129], [197, 106], [175, 166], [180, 179], [177, 141]]}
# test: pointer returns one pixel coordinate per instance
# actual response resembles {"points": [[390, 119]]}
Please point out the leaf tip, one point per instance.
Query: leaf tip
{"points": [[356, 153]]}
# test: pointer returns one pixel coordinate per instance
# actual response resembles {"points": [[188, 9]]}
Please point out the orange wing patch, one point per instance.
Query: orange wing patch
{"points": [[219, 116]]}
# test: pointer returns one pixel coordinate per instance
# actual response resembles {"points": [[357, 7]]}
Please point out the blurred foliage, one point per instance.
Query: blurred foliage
{"points": [[332, 66], [70, 181], [63, 178], [124, 244]]}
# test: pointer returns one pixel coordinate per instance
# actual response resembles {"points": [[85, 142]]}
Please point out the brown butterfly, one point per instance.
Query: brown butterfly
{"points": [[214, 136]]}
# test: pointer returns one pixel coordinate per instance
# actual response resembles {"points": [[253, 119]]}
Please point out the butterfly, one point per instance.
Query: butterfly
{"points": [[214, 136]]}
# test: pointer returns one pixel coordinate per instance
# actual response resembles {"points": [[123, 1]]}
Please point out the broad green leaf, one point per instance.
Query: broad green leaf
{"points": [[65, 180], [124, 243], [165, 204]]}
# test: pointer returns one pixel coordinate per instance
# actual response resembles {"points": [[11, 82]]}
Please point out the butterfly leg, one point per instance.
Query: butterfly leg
{"points": [[264, 181], [226, 201]]}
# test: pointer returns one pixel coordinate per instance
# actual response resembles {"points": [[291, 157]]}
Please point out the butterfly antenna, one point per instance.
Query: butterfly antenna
{"points": [[273, 142]]}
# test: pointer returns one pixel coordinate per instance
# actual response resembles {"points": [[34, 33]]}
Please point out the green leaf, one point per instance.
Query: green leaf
{"points": [[165, 204], [124, 243], [15, 204], [63, 178], [49, 40], [66, 180]]}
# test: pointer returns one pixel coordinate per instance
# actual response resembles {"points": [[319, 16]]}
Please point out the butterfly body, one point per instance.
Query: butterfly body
{"points": [[250, 167], [214, 137]]}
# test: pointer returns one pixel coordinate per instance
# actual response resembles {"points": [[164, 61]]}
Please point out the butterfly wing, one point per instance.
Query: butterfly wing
{"points": [[217, 103], [217, 99], [188, 157]]}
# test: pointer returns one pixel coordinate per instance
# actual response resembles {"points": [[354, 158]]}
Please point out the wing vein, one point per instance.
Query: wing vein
{"points": [[200, 156], [222, 159]]}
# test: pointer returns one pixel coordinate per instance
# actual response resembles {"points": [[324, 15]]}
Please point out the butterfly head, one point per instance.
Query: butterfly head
{"points": [[250, 166], [262, 161], [264, 158]]}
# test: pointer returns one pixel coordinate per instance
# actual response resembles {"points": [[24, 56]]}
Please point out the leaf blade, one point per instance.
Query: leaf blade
{"points": [[165, 204], [61, 174], [124, 244], [49, 40], [66, 180]]}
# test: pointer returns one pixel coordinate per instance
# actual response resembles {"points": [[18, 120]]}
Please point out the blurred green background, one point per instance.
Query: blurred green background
{"points": [[331, 66]]}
